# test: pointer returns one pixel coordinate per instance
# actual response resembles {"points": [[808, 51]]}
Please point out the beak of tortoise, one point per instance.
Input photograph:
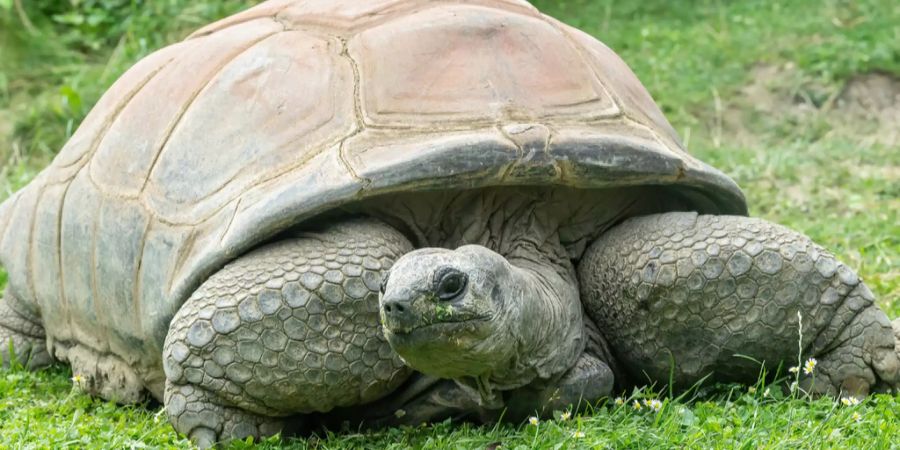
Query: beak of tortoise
{"points": [[398, 315]]}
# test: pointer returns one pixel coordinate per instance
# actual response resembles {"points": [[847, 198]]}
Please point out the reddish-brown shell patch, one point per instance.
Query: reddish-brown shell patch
{"points": [[463, 65]]}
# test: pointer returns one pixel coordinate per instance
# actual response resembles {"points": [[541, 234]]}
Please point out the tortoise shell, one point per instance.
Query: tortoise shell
{"points": [[267, 118]]}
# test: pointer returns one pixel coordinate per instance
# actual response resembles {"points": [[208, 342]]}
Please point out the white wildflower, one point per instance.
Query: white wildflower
{"points": [[810, 366], [654, 404]]}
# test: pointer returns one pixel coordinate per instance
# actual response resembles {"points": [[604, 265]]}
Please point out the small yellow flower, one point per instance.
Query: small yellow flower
{"points": [[636, 405], [794, 369], [533, 420], [77, 379], [809, 366], [857, 416], [849, 401], [654, 404], [578, 434], [620, 401], [751, 389], [565, 416]]}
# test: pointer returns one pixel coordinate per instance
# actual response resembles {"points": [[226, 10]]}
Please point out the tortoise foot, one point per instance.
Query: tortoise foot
{"points": [[203, 417], [864, 360], [21, 336], [582, 386]]}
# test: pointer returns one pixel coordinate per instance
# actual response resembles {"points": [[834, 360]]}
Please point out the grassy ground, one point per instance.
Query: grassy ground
{"points": [[798, 101]]}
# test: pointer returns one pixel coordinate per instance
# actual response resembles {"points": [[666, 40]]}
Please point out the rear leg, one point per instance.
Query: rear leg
{"points": [[290, 328], [703, 289], [21, 335], [100, 374]]}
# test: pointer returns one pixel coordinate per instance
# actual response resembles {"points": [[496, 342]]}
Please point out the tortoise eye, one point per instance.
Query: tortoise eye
{"points": [[450, 285], [384, 281]]}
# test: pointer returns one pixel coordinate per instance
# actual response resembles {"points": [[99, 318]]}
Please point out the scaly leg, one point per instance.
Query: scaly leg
{"points": [[287, 329], [701, 290]]}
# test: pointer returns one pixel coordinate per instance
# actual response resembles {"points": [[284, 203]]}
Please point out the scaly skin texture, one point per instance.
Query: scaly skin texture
{"points": [[200, 414], [701, 289], [21, 334], [289, 328]]}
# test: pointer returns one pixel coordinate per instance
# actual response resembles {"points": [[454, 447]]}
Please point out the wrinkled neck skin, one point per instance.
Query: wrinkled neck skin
{"points": [[502, 218], [539, 329], [542, 317]]}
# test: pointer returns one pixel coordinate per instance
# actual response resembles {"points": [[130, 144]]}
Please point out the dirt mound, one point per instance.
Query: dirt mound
{"points": [[873, 98], [865, 108]]}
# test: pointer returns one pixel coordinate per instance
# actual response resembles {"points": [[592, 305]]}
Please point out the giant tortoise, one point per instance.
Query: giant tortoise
{"points": [[434, 208]]}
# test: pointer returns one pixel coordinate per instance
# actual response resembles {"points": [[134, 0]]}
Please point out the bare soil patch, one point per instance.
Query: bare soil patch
{"points": [[872, 98], [866, 108]]}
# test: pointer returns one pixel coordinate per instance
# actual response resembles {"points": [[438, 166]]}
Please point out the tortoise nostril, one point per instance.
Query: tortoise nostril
{"points": [[394, 307]]}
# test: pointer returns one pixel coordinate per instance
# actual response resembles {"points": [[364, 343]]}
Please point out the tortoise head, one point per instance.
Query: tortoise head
{"points": [[442, 310], [472, 316]]}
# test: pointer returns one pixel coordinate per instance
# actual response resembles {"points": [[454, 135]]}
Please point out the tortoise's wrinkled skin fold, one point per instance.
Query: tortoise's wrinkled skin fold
{"points": [[217, 232]]}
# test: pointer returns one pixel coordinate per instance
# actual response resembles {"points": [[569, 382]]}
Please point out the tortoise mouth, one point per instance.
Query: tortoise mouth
{"points": [[441, 333], [436, 326], [448, 349]]}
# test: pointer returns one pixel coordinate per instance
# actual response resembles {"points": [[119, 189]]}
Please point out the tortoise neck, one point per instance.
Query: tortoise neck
{"points": [[539, 331], [547, 318], [542, 309], [504, 219], [541, 314]]}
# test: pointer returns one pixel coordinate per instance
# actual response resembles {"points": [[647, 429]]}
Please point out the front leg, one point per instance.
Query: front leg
{"points": [[590, 380], [703, 290], [289, 328]]}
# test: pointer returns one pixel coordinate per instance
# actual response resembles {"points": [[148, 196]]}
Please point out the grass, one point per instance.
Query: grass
{"points": [[759, 89], [43, 410]]}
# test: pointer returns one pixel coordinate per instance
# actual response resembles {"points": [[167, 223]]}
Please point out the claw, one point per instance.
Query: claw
{"points": [[203, 437]]}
